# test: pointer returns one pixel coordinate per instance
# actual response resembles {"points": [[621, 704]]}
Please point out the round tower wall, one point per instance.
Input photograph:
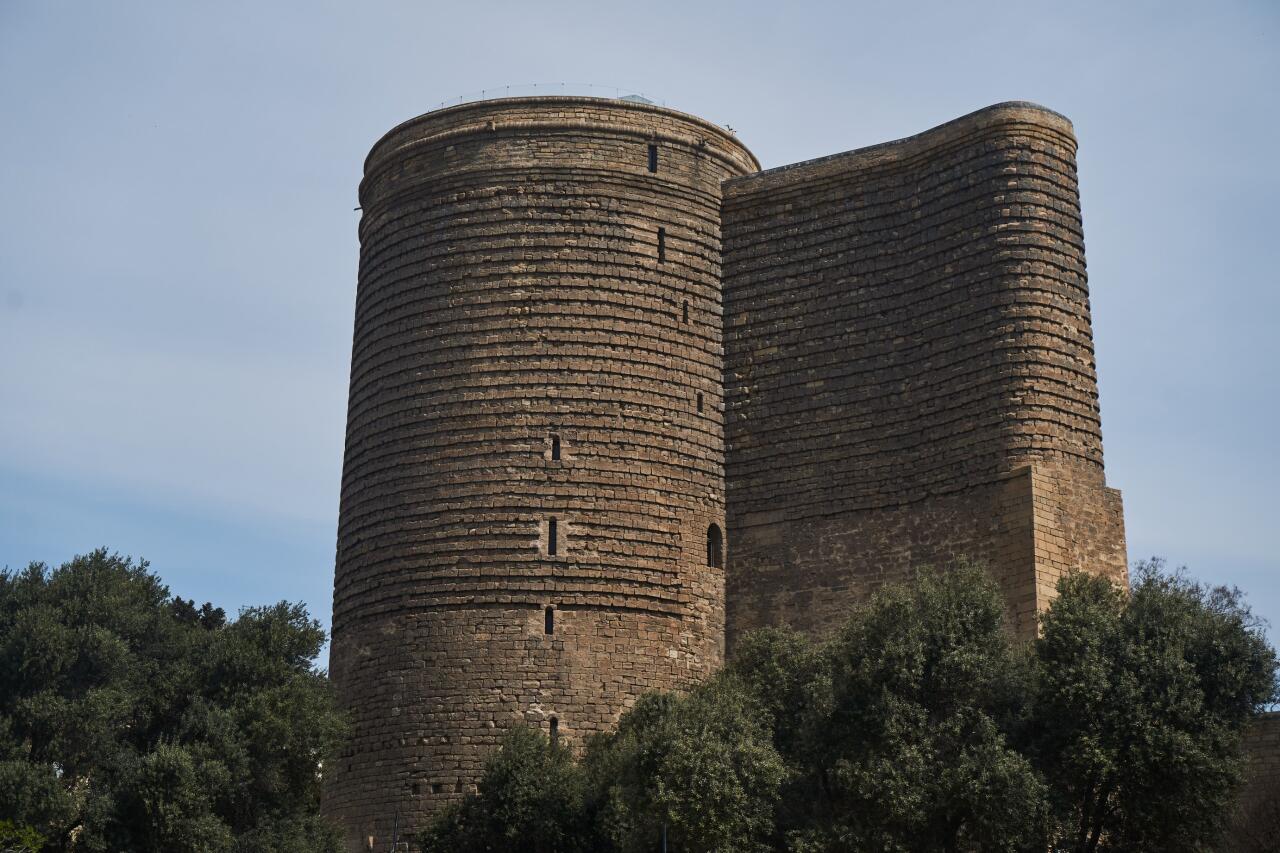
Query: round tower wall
{"points": [[535, 438]]}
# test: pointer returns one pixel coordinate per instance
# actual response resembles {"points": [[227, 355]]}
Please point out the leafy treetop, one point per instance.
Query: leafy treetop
{"points": [[131, 719]]}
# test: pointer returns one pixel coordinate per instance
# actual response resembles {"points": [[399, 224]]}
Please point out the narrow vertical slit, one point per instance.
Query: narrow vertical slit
{"points": [[699, 401], [555, 448], [549, 620], [552, 544], [685, 314], [653, 158], [555, 729], [662, 244]]}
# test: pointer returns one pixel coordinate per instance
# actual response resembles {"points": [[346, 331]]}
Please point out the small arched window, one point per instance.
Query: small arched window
{"points": [[549, 620], [715, 547]]}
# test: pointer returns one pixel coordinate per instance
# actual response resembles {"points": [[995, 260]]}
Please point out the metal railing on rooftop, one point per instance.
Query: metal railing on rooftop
{"points": [[524, 90]]}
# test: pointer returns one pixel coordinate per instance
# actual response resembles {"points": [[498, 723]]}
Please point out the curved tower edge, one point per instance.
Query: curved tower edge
{"points": [[534, 451], [552, 109], [909, 372]]}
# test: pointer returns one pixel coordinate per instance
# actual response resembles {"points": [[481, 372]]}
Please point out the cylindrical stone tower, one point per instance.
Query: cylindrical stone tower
{"points": [[533, 492]]}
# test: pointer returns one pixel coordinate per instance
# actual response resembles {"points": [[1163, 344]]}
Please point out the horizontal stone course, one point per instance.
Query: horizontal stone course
{"points": [[511, 290]]}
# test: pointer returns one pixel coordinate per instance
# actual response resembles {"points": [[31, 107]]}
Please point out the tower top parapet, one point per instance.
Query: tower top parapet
{"points": [[472, 116]]}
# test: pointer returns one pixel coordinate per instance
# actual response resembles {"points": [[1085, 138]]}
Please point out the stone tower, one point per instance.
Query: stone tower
{"points": [[532, 515], [910, 373], [546, 439]]}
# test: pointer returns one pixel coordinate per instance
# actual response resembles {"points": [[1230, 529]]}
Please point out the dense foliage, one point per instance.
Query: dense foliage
{"points": [[922, 725], [1141, 703], [133, 720], [16, 838], [531, 799], [700, 769], [910, 748]]}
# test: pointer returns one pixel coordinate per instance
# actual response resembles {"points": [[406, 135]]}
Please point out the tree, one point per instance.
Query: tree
{"points": [[130, 719], [1142, 701], [699, 768], [19, 839], [913, 750], [922, 725], [529, 800], [788, 674]]}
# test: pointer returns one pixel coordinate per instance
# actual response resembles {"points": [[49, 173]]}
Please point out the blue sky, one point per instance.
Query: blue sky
{"points": [[178, 245]]}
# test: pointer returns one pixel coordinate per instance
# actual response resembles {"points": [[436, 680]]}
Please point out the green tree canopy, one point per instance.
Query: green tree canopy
{"points": [[1142, 702], [922, 725], [913, 748], [133, 720], [529, 800], [700, 768]]}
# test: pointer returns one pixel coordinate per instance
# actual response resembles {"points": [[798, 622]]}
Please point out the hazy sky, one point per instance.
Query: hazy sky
{"points": [[178, 245]]}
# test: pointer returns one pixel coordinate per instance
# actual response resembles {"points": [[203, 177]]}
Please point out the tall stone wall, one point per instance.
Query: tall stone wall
{"points": [[909, 372], [1254, 825], [535, 438]]}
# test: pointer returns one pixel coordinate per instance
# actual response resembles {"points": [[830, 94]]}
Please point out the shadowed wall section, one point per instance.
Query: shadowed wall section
{"points": [[1255, 822], [535, 438], [909, 372]]}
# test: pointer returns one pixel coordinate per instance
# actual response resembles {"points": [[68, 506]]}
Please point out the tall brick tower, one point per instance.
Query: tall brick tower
{"points": [[910, 372], [533, 491]]}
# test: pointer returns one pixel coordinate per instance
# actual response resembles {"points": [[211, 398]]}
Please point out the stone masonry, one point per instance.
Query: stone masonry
{"points": [[909, 372], [535, 446], [1255, 823], [566, 420]]}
